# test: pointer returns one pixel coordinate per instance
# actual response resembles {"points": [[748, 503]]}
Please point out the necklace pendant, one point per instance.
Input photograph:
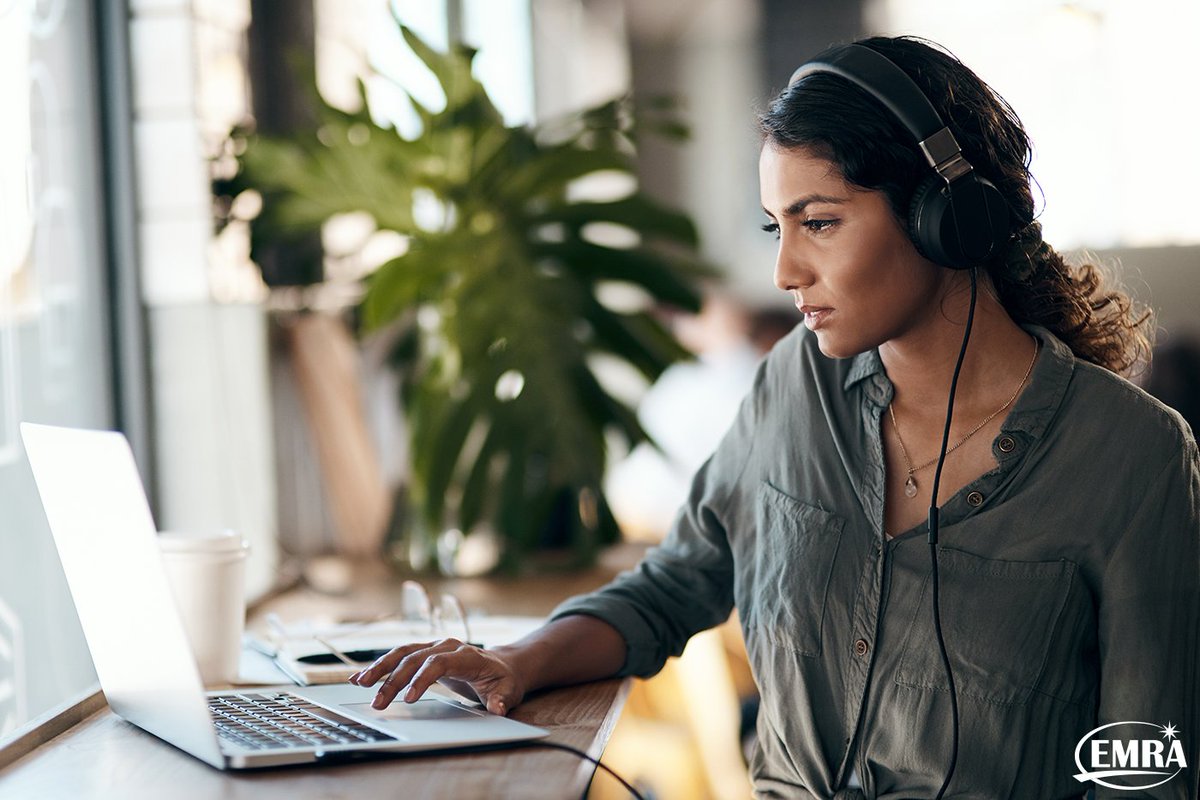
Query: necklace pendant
{"points": [[910, 487]]}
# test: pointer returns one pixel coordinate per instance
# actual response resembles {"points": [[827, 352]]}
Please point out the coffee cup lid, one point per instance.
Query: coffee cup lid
{"points": [[201, 542]]}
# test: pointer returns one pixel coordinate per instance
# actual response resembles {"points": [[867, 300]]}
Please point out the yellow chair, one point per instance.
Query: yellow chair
{"points": [[678, 735]]}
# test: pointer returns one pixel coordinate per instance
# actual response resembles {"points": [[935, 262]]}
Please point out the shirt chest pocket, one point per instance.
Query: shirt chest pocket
{"points": [[794, 555], [999, 620]]}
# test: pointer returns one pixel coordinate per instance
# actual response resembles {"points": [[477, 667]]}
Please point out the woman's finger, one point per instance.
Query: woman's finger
{"points": [[407, 667], [439, 665], [386, 663], [469, 672]]}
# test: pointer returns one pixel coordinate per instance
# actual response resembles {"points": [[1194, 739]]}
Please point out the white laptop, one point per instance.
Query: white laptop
{"points": [[97, 509]]}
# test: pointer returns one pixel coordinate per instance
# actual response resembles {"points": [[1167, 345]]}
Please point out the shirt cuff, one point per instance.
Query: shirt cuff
{"points": [[641, 650]]}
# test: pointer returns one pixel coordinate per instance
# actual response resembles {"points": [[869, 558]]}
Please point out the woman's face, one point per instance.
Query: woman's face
{"points": [[843, 256]]}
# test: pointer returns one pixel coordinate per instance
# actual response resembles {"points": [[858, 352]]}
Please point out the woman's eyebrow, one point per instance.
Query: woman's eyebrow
{"points": [[798, 206]]}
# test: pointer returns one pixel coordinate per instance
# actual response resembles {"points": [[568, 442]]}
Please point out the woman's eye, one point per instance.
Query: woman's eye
{"points": [[813, 226]]}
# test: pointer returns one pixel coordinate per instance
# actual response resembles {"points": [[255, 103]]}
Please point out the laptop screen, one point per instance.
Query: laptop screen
{"points": [[106, 540]]}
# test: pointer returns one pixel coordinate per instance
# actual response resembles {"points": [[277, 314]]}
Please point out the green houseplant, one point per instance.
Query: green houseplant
{"points": [[497, 308]]}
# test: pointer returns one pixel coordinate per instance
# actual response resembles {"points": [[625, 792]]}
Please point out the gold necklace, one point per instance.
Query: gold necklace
{"points": [[910, 485]]}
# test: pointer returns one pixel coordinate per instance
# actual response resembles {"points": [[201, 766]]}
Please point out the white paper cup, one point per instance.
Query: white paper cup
{"points": [[206, 572]]}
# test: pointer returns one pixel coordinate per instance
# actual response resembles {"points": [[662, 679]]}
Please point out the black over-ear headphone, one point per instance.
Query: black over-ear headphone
{"points": [[957, 218]]}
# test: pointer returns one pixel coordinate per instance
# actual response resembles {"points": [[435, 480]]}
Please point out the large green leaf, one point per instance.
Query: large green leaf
{"points": [[636, 212], [476, 486], [453, 72], [637, 338], [407, 281], [505, 300], [305, 185], [549, 172], [604, 409], [442, 448], [666, 278]]}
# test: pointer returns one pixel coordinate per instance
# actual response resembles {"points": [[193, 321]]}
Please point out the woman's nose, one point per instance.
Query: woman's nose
{"points": [[791, 271]]}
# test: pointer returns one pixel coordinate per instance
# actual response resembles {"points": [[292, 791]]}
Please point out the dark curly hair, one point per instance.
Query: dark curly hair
{"points": [[835, 119]]}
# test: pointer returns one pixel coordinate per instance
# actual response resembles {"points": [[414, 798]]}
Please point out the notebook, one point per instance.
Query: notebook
{"points": [[105, 536], [301, 649]]}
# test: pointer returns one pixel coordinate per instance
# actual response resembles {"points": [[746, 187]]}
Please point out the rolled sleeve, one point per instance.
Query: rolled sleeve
{"points": [[660, 604]]}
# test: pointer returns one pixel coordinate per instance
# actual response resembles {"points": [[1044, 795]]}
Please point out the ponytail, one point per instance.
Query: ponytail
{"points": [[1078, 304]]}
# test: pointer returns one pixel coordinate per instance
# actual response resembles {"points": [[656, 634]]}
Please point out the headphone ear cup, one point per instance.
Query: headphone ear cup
{"points": [[960, 225], [924, 215]]}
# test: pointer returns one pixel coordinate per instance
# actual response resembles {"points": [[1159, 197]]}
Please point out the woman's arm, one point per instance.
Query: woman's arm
{"points": [[569, 650]]}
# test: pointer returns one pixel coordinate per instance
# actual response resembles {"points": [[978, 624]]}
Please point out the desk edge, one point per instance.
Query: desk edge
{"points": [[54, 722], [587, 770]]}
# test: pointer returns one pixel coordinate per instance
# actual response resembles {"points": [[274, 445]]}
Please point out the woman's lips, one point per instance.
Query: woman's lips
{"points": [[815, 316]]}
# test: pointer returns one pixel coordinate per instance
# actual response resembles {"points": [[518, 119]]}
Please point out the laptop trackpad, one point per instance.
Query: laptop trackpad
{"points": [[420, 710]]}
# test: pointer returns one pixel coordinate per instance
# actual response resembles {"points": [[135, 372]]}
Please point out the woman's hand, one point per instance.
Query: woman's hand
{"points": [[485, 675], [574, 649]]}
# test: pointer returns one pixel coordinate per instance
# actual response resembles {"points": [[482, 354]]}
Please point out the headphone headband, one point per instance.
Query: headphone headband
{"points": [[890, 85]]}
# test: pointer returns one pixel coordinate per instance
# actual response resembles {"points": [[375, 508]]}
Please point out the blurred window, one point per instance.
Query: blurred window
{"points": [[54, 334], [501, 30], [1103, 87], [498, 29]]}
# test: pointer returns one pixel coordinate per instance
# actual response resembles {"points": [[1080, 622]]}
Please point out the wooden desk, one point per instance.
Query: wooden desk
{"points": [[103, 757]]}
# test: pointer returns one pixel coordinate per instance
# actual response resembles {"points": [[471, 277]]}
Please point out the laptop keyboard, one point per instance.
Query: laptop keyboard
{"points": [[274, 720]]}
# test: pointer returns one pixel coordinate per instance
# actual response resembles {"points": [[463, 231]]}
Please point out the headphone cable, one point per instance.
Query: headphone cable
{"points": [[586, 757], [933, 542]]}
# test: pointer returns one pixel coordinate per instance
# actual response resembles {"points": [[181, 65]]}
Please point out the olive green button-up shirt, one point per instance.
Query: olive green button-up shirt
{"points": [[1069, 585]]}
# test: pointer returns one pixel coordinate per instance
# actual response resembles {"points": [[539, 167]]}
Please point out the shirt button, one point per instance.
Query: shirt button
{"points": [[975, 499], [861, 647], [1007, 444]]}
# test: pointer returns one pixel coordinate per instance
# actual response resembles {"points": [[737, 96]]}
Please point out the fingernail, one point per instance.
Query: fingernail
{"points": [[378, 702], [410, 693], [500, 708]]}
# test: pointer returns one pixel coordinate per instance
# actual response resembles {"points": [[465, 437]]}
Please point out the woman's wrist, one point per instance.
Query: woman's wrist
{"points": [[567, 651], [521, 661]]}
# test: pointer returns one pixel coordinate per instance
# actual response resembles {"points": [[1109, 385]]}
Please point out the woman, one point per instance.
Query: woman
{"points": [[1069, 545]]}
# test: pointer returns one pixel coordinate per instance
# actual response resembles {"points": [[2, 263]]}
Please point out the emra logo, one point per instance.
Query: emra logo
{"points": [[1143, 761]]}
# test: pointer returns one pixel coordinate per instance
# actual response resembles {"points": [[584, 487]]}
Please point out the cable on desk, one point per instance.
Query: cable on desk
{"points": [[586, 757]]}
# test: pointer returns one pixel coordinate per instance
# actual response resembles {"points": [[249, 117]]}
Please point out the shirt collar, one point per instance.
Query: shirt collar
{"points": [[1048, 382], [868, 366], [863, 365]]}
